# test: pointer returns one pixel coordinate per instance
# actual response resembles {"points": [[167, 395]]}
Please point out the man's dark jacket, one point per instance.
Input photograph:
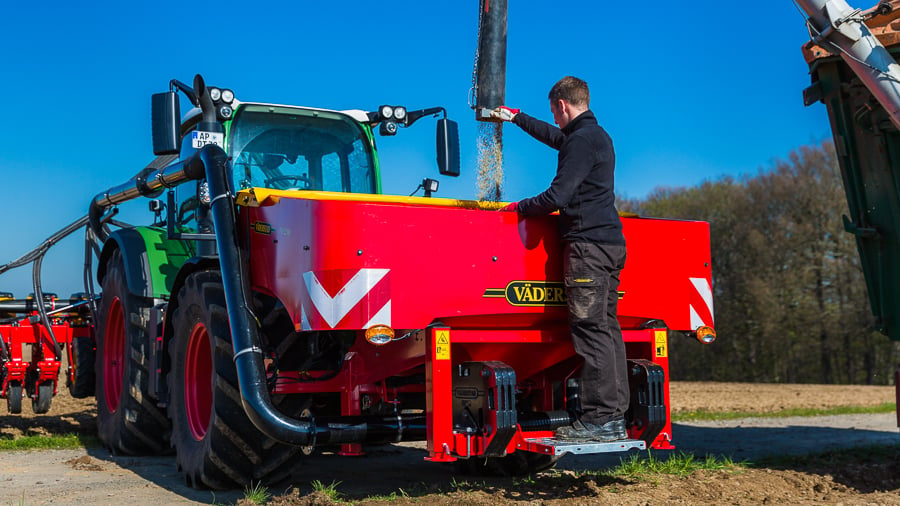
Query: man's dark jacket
{"points": [[583, 189]]}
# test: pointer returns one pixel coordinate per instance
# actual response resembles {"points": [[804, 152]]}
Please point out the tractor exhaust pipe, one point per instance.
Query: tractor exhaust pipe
{"points": [[490, 83]]}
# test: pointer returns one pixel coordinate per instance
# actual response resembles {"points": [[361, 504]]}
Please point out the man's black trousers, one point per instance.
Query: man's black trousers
{"points": [[591, 274]]}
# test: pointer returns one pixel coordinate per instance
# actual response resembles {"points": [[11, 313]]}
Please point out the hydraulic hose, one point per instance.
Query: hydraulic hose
{"points": [[42, 310]]}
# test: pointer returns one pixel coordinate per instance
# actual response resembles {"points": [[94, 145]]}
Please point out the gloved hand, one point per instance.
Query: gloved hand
{"points": [[504, 113], [512, 206]]}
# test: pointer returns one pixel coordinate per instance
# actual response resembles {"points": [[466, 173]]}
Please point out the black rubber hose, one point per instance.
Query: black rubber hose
{"points": [[248, 355], [540, 420], [42, 311], [4, 351]]}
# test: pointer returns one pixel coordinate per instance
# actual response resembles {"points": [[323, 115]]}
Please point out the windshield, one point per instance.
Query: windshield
{"points": [[299, 149]]}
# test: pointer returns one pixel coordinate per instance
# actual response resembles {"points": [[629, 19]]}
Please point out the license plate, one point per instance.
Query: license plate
{"points": [[200, 139]]}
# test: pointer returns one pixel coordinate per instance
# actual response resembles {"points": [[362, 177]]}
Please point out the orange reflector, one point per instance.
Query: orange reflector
{"points": [[379, 334], [706, 334]]}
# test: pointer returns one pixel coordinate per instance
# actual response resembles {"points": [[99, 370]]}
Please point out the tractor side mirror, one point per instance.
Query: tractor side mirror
{"points": [[448, 147], [165, 118]]}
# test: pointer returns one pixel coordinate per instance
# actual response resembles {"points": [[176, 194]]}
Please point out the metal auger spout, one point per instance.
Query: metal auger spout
{"points": [[490, 84]]}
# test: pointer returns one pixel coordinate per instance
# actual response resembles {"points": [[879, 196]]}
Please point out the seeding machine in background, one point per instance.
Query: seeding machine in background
{"points": [[33, 338]]}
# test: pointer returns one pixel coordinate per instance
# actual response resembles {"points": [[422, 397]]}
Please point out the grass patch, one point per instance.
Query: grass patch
{"points": [[329, 491], [49, 442], [701, 414], [679, 464], [257, 494]]}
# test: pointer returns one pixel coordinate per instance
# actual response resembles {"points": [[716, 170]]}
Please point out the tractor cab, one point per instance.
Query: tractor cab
{"points": [[289, 148]]}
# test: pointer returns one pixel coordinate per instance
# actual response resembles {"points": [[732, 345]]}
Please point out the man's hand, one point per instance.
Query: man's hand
{"points": [[504, 113], [513, 206]]}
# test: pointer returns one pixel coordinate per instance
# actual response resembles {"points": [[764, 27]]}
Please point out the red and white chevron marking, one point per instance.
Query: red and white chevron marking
{"points": [[701, 303], [347, 298]]}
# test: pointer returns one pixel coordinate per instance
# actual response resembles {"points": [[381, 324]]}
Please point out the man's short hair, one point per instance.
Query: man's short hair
{"points": [[572, 90]]}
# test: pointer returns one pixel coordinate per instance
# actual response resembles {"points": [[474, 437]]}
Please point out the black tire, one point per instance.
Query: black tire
{"points": [[128, 420], [216, 444], [82, 381], [40, 403], [520, 463], [14, 397]]}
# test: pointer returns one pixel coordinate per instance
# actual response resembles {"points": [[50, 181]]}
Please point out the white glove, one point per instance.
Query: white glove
{"points": [[504, 113]]}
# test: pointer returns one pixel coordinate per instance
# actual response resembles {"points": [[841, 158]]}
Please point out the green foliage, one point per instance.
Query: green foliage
{"points": [[888, 407], [681, 464], [257, 494], [48, 442], [329, 490], [791, 303]]}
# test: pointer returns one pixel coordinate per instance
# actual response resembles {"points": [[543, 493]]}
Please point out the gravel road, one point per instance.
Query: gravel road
{"points": [[95, 477]]}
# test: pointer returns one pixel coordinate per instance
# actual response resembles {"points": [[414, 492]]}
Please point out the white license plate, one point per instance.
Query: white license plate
{"points": [[200, 139]]}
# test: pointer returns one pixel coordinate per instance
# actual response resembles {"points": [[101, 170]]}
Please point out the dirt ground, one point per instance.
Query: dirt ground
{"points": [[93, 476]]}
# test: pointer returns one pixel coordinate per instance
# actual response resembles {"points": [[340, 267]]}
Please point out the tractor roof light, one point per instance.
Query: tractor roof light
{"points": [[388, 128], [215, 93], [400, 113], [706, 334], [227, 96], [379, 335], [387, 112]]}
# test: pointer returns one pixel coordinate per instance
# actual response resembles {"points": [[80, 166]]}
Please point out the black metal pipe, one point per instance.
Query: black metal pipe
{"points": [[490, 84], [147, 183]]}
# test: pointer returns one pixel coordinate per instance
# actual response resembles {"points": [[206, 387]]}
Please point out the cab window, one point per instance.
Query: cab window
{"points": [[298, 149]]}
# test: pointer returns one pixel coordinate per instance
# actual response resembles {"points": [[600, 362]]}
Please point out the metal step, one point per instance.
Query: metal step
{"points": [[550, 446]]}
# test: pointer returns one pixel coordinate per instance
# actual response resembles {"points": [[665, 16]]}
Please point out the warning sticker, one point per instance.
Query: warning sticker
{"points": [[661, 343], [442, 345]]}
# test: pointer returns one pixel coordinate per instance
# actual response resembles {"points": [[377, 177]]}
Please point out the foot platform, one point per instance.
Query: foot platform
{"points": [[550, 446]]}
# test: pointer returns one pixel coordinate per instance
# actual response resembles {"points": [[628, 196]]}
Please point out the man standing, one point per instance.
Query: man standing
{"points": [[593, 254]]}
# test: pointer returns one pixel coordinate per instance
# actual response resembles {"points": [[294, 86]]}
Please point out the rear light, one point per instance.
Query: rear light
{"points": [[706, 334], [379, 335]]}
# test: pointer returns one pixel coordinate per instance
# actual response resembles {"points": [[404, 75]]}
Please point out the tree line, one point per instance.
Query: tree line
{"points": [[790, 298]]}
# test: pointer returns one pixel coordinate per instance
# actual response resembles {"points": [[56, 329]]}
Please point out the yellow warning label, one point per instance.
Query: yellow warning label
{"points": [[442, 345], [661, 344]]}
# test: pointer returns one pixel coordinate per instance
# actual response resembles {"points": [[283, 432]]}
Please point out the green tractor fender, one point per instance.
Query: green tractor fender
{"points": [[152, 261]]}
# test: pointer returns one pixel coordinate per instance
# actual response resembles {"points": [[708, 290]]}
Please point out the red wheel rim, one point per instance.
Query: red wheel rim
{"points": [[114, 355], [198, 381]]}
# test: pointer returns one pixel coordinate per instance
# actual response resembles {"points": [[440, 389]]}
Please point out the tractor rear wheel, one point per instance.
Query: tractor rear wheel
{"points": [[520, 463], [128, 420], [82, 379], [14, 397], [216, 444]]}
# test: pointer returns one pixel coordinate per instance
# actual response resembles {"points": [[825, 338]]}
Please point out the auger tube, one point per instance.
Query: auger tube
{"points": [[490, 84], [841, 29]]}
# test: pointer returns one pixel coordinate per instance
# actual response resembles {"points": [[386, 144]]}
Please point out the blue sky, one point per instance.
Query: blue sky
{"points": [[689, 91]]}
